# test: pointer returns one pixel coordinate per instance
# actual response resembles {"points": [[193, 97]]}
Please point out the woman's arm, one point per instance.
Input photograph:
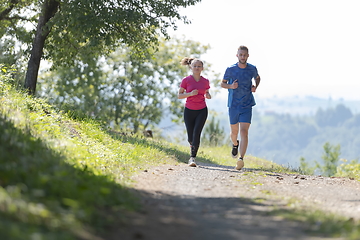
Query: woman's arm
{"points": [[183, 94], [207, 94]]}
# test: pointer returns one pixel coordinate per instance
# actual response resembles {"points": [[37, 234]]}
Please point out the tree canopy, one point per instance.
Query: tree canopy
{"points": [[65, 31], [124, 90]]}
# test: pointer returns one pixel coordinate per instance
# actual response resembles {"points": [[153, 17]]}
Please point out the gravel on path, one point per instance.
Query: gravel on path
{"points": [[216, 202]]}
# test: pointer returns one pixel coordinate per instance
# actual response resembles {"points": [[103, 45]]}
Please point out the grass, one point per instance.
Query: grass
{"points": [[321, 224], [65, 176], [220, 155]]}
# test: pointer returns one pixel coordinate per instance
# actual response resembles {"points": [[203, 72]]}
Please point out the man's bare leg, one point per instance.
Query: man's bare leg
{"points": [[234, 131], [244, 138]]}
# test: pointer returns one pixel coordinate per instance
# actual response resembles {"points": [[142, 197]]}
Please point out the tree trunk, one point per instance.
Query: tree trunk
{"points": [[49, 8]]}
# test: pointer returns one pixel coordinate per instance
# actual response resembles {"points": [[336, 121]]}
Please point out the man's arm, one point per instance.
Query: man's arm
{"points": [[257, 82], [224, 84]]}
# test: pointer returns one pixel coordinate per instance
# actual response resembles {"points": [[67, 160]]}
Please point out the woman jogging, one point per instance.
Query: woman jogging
{"points": [[194, 88]]}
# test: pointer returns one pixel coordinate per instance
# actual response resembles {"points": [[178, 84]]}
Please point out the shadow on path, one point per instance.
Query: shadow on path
{"points": [[166, 216]]}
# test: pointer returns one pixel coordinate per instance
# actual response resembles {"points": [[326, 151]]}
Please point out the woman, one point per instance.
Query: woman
{"points": [[194, 88]]}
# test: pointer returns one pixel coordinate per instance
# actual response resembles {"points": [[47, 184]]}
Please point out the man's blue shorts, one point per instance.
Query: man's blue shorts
{"points": [[240, 115]]}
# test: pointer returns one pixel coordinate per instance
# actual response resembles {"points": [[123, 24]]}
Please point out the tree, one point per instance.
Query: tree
{"points": [[330, 158], [68, 29], [305, 167], [123, 89], [213, 135]]}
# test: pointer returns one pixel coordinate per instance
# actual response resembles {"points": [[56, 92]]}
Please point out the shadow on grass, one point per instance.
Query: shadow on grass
{"points": [[183, 156], [44, 197], [171, 150]]}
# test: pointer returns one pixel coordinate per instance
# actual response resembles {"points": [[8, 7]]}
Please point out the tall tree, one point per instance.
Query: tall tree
{"points": [[67, 29], [49, 8]]}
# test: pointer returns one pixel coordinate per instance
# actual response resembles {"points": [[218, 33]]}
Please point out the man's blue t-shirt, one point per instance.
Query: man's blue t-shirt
{"points": [[241, 97]]}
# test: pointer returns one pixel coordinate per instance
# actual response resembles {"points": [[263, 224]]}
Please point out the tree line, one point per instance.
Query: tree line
{"points": [[128, 93], [286, 138], [326, 142]]}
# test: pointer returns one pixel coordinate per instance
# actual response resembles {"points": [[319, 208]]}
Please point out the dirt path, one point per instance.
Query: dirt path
{"points": [[218, 202]]}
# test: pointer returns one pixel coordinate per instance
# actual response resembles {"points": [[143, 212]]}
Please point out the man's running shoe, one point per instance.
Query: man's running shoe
{"points": [[239, 164], [234, 151], [192, 162]]}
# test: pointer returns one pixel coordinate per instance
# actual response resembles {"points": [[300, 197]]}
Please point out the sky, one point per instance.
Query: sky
{"points": [[300, 47]]}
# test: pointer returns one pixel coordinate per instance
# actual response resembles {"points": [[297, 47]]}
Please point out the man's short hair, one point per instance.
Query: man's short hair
{"points": [[242, 47]]}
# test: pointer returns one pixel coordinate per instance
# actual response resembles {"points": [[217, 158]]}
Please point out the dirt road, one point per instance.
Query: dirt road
{"points": [[215, 202]]}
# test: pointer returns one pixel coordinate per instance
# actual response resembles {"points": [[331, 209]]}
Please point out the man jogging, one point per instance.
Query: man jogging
{"points": [[238, 79]]}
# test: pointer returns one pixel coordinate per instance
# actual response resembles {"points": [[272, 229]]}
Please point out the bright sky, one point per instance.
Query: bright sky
{"points": [[300, 47]]}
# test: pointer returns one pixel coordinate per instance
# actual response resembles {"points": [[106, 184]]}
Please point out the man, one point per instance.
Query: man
{"points": [[238, 79]]}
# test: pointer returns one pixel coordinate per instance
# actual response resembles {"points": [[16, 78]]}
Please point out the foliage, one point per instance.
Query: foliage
{"points": [[122, 89], [101, 26], [305, 168], [330, 161], [330, 158], [349, 169], [213, 134], [6, 77], [68, 30], [321, 223], [62, 178]]}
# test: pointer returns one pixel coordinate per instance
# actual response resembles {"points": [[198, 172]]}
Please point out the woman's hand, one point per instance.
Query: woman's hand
{"points": [[194, 92], [207, 95]]}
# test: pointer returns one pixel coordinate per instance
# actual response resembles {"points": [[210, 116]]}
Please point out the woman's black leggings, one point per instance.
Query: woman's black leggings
{"points": [[194, 122]]}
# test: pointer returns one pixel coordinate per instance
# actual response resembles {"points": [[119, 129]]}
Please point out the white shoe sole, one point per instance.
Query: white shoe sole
{"points": [[239, 165], [192, 164]]}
